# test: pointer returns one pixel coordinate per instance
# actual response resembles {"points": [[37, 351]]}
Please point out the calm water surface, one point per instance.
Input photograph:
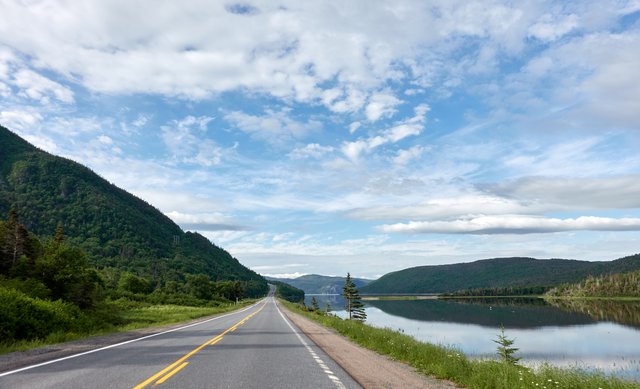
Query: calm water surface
{"points": [[602, 335]]}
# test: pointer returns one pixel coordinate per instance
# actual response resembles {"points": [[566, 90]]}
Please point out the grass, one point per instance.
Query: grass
{"points": [[120, 316], [451, 364]]}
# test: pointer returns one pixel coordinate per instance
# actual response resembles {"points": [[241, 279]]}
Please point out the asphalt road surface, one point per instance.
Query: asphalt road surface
{"points": [[256, 347]]}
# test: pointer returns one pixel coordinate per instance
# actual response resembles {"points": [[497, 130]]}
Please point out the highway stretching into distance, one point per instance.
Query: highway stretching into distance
{"points": [[256, 347]]}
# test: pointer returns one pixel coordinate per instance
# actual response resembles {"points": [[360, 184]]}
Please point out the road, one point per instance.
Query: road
{"points": [[256, 347]]}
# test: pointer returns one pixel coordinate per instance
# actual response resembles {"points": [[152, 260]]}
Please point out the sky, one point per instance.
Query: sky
{"points": [[353, 136]]}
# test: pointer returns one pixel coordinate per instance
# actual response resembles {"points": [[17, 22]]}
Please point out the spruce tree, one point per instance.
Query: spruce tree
{"points": [[314, 304], [354, 305], [505, 351]]}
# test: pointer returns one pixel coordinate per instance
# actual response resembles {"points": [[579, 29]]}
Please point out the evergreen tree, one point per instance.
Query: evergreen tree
{"points": [[314, 304], [354, 306], [505, 351]]}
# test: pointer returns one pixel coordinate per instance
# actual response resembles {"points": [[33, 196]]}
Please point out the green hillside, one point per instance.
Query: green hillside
{"points": [[495, 273], [114, 228], [317, 284], [608, 285]]}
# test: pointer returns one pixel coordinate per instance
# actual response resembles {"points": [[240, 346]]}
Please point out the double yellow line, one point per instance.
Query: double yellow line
{"points": [[178, 365]]}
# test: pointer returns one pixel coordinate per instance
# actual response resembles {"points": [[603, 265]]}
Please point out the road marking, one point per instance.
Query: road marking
{"points": [[123, 343], [174, 371], [338, 383], [170, 370]]}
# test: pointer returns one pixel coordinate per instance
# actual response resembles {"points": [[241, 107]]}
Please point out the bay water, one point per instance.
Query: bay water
{"points": [[599, 335]]}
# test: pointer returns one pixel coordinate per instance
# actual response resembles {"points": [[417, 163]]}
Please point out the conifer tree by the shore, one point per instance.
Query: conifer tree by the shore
{"points": [[354, 305]]}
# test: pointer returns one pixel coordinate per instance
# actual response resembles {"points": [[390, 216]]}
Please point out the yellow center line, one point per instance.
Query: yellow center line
{"points": [[171, 369], [174, 371]]}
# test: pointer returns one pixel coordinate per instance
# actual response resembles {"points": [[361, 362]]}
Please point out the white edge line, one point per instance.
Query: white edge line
{"points": [[335, 379], [123, 343]]}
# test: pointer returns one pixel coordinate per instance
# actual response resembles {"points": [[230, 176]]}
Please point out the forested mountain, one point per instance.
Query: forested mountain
{"points": [[496, 273], [114, 228], [317, 284]]}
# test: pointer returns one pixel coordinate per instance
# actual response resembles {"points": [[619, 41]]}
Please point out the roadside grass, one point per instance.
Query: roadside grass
{"points": [[451, 364], [119, 316]]}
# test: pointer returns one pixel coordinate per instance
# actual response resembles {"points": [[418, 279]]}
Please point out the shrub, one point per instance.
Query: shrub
{"points": [[24, 317]]}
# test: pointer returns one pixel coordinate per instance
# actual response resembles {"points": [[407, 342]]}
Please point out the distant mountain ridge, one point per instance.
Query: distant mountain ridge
{"points": [[114, 227], [318, 284], [495, 273]]}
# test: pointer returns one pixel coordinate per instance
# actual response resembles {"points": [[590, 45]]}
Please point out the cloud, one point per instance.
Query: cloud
{"points": [[381, 105], [105, 140], [403, 157], [403, 129], [20, 119], [274, 127], [186, 146], [312, 150], [514, 224], [329, 52], [282, 275], [36, 87], [549, 28], [457, 205], [205, 222], [585, 82], [618, 192]]}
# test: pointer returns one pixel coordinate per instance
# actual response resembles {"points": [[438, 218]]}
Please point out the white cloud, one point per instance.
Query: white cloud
{"points": [[105, 140], [587, 82], [616, 192], [312, 150], [403, 157], [282, 275], [549, 28], [180, 137], [275, 127], [37, 87], [5, 90], [455, 206], [205, 221], [403, 129], [353, 127], [514, 224], [141, 120], [329, 52], [20, 119], [381, 105]]}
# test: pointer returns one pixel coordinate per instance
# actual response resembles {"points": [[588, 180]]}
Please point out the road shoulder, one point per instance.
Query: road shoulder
{"points": [[20, 359], [368, 368]]}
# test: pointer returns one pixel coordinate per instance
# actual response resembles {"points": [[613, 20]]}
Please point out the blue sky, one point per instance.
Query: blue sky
{"points": [[326, 137]]}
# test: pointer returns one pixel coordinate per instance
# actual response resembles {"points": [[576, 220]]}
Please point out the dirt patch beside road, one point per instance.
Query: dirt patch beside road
{"points": [[368, 368]]}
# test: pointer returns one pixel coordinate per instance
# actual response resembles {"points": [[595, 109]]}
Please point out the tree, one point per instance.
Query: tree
{"points": [[505, 351], [314, 304], [14, 241], [354, 306], [65, 271], [200, 286], [131, 283]]}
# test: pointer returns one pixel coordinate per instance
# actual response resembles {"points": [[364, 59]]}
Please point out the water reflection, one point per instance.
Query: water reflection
{"points": [[589, 334], [512, 313], [622, 312]]}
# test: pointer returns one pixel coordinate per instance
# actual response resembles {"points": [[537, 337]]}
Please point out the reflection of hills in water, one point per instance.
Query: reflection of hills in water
{"points": [[510, 312], [622, 312], [335, 301]]}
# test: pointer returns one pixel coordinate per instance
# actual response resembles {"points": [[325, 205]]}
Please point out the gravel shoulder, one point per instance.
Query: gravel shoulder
{"points": [[368, 368]]}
